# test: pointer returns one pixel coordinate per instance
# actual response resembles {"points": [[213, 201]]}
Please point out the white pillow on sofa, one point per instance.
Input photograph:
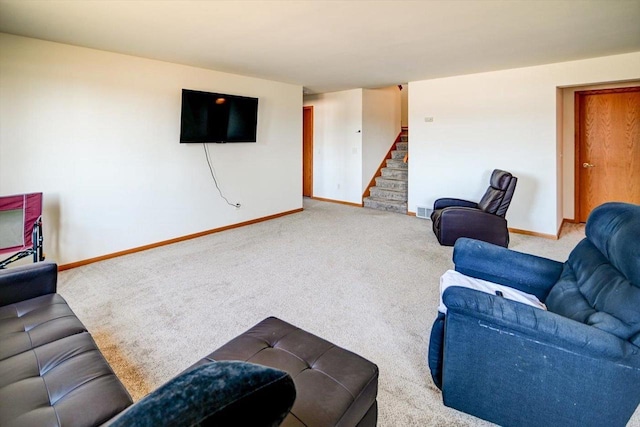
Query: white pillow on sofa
{"points": [[453, 278]]}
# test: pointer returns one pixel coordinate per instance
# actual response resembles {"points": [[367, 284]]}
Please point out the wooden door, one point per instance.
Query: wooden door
{"points": [[307, 151], [608, 148]]}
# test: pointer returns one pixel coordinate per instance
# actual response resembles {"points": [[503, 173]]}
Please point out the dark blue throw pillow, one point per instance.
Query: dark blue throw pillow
{"points": [[226, 393]]}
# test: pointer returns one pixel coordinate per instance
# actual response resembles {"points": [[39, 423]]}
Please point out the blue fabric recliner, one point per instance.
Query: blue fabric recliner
{"points": [[577, 364]]}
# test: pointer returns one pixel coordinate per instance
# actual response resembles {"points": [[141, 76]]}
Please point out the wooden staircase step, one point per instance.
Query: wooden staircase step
{"points": [[385, 205], [395, 173], [398, 154], [391, 183], [396, 164], [389, 194]]}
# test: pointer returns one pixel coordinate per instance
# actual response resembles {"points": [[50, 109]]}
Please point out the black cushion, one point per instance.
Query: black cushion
{"points": [[51, 371], [35, 322], [216, 394]]}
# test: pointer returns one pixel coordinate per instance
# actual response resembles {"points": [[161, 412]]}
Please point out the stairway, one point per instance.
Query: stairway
{"points": [[390, 191]]}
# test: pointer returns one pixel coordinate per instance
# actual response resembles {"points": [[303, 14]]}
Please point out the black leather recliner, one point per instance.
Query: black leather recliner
{"points": [[485, 220]]}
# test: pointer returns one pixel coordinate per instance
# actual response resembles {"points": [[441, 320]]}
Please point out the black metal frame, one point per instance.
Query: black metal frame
{"points": [[37, 246]]}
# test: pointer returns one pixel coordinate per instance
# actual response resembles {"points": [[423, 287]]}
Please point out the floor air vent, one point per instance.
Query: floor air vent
{"points": [[423, 212]]}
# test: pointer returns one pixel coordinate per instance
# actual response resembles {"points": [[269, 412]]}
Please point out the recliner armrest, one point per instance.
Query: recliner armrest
{"points": [[457, 222], [542, 325], [527, 273], [446, 202], [27, 281], [513, 364]]}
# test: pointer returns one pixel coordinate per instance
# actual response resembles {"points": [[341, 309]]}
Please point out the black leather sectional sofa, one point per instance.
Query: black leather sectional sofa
{"points": [[51, 371], [53, 374]]}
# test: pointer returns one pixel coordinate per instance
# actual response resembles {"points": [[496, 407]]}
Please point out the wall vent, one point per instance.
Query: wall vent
{"points": [[423, 212]]}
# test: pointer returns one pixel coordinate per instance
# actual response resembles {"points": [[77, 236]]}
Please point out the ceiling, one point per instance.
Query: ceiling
{"points": [[334, 45]]}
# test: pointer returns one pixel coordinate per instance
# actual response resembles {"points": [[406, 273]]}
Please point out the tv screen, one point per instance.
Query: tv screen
{"points": [[217, 117]]}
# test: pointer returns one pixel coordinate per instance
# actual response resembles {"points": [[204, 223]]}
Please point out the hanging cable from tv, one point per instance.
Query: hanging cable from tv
{"points": [[213, 175]]}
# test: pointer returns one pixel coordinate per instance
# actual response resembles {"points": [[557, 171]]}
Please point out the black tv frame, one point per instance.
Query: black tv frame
{"points": [[210, 117]]}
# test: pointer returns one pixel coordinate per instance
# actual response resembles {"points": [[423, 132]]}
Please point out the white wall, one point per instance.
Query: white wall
{"points": [[337, 145], [404, 106], [559, 164], [98, 134], [568, 144], [380, 127], [504, 119]]}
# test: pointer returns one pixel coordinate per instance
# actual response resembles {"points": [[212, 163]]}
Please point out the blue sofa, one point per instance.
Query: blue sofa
{"points": [[577, 364]]}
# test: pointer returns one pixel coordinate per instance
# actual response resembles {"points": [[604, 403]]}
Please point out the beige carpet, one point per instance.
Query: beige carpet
{"points": [[363, 279]]}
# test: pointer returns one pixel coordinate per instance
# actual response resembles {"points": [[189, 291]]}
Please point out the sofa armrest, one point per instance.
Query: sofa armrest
{"points": [[542, 325], [27, 281], [226, 393], [512, 364], [446, 202], [527, 273]]}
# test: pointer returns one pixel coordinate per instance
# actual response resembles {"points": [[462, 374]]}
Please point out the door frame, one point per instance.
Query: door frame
{"points": [[577, 101], [307, 151]]}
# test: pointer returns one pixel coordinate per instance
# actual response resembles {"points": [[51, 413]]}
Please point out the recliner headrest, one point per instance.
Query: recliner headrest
{"points": [[614, 228], [498, 196], [500, 179]]}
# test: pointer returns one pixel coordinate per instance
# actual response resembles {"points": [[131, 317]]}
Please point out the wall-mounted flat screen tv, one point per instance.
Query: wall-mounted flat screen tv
{"points": [[217, 117]]}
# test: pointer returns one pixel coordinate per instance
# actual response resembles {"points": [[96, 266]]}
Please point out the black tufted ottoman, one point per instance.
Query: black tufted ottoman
{"points": [[334, 387]]}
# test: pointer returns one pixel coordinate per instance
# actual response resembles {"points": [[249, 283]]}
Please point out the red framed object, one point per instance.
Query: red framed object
{"points": [[21, 227]]}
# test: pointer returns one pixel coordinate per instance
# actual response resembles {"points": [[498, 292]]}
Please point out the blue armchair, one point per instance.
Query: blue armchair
{"points": [[577, 364]]}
